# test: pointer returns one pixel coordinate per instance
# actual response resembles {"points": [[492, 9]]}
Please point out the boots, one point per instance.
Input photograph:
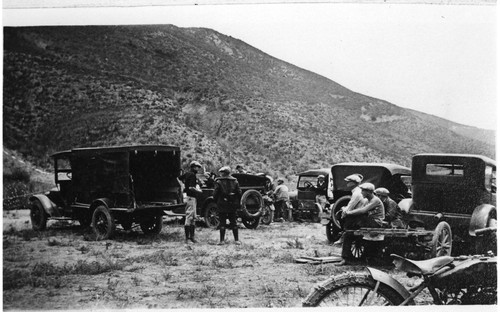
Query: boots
{"points": [[235, 234], [222, 235], [187, 231], [191, 231]]}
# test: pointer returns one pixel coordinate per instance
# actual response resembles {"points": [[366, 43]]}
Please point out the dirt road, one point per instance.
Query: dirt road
{"points": [[63, 268]]}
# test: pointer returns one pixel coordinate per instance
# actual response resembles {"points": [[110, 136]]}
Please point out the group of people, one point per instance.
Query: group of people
{"points": [[368, 207], [226, 194]]}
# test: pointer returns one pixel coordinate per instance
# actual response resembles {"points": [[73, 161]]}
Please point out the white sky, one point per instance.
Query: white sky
{"points": [[438, 59]]}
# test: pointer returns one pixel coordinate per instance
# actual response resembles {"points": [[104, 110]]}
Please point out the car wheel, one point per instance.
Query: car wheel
{"points": [[38, 216], [267, 216], [441, 240], [251, 223], [333, 233], [152, 225], [336, 210], [211, 216], [103, 223]]}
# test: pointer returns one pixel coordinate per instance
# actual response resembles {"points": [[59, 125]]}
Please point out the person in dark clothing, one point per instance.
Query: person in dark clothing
{"points": [[192, 189], [227, 195], [393, 214]]}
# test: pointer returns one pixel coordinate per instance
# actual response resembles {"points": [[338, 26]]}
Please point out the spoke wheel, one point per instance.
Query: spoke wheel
{"points": [[38, 216], [357, 248], [266, 217], [103, 223], [211, 216], [152, 225], [352, 289], [441, 240]]}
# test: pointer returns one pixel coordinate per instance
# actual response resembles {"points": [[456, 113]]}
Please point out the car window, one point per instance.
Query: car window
{"points": [[303, 179], [63, 169], [490, 179], [444, 170]]}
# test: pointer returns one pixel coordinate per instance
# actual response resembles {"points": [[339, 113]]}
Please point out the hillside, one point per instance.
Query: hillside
{"points": [[219, 99]]}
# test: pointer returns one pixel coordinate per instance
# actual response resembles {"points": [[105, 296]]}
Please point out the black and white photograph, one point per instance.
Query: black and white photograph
{"points": [[166, 154]]}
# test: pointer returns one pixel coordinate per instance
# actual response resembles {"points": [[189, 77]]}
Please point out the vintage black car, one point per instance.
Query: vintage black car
{"points": [[454, 195], [393, 177], [304, 205], [253, 187], [107, 186]]}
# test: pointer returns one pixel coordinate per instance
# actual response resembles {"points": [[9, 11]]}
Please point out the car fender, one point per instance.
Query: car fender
{"points": [[389, 281], [100, 201], [480, 217], [49, 206]]}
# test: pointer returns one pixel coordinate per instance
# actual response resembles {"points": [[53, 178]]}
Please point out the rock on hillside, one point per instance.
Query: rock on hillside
{"points": [[221, 100]]}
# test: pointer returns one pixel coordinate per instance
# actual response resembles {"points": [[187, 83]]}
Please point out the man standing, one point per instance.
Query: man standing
{"points": [[227, 195], [393, 214], [321, 189], [192, 189], [281, 198], [370, 215]]}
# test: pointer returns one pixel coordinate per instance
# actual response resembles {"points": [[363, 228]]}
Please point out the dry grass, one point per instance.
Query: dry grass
{"points": [[61, 269]]}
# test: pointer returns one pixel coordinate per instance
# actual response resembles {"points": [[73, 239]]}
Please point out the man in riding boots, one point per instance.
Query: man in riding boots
{"points": [[227, 195], [192, 189]]}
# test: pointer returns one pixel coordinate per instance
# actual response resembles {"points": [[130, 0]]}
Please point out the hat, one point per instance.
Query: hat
{"points": [[354, 178], [367, 187], [194, 163], [321, 176], [225, 169], [280, 180], [382, 191]]}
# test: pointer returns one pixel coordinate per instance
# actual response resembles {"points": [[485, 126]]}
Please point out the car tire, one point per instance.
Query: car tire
{"points": [[441, 240], [336, 216], [103, 223], [211, 216], [152, 225], [251, 204], [333, 233], [38, 216], [267, 215]]}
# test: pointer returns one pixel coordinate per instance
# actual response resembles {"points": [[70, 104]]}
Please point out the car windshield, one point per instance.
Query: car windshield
{"points": [[303, 179]]}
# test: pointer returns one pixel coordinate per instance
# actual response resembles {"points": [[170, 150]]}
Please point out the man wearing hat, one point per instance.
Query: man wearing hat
{"points": [[370, 215], [352, 181], [192, 189], [281, 198], [393, 214], [240, 169], [321, 190], [227, 195]]}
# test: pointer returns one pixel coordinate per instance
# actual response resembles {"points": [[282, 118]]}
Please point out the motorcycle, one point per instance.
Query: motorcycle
{"points": [[463, 280]]}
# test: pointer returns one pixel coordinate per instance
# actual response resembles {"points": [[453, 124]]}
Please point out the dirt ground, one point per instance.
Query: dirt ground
{"points": [[64, 268]]}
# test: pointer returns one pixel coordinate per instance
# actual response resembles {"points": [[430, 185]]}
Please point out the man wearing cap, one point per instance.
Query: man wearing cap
{"points": [[192, 189], [321, 189], [356, 201], [227, 195], [393, 214], [370, 215], [281, 198]]}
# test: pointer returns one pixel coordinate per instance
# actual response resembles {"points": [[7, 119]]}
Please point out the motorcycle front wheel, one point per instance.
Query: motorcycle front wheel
{"points": [[352, 289]]}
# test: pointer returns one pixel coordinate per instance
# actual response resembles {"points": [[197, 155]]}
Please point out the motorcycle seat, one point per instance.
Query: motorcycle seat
{"points": [[421, 267]]}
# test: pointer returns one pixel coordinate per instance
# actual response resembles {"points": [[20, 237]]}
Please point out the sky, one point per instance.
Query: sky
{"points": [[437, 59]]}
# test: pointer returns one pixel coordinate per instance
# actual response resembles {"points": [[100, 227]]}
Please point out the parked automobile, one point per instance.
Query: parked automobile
{"points": [[304, 205], [393, 177], [107, 186], [253, 187], [454, 195]]}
